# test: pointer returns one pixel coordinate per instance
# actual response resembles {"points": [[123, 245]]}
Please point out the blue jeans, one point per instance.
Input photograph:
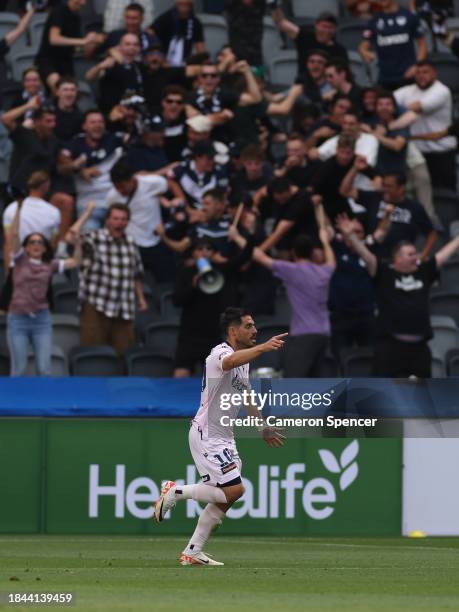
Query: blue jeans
{"points": [[34, 328]]}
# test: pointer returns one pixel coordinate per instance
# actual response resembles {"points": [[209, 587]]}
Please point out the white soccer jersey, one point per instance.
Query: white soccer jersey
{"points": [[215, 383]]}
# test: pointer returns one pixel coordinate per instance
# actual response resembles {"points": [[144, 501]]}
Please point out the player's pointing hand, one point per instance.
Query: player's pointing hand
{"points": [[273, 437], [275, 343]]}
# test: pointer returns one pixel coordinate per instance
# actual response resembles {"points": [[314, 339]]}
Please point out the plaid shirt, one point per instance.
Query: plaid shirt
{"points": [[108, 272]]}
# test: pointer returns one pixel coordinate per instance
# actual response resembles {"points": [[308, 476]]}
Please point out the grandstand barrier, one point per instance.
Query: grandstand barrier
{"points": [[99, 476], [87, 456]]}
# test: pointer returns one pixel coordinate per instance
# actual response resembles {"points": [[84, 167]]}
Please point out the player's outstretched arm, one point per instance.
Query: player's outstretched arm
{"points": [[244, 356]]}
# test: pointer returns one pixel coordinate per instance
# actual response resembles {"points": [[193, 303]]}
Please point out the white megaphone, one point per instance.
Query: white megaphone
{"points": [[210, 280]]}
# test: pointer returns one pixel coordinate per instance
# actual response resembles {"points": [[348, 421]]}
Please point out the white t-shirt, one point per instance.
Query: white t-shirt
{"points": [[437, 112], [37, 215], [216, 382], [365, 145], [145, 208]]}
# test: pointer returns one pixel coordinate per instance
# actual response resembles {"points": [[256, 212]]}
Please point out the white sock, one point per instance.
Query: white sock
{"points": [[210, 518], [201, 493]]}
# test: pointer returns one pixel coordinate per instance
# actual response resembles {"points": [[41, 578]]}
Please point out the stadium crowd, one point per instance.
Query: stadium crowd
{"points": [[161, 180]]}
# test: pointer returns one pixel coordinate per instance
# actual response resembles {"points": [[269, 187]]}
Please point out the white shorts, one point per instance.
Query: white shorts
{"points": [[217, 461]]}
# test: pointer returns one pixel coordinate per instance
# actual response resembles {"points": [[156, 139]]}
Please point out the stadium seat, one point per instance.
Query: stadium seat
{"points": [[271, 359], [357, 362], [20, 60], [143, 362], [446, 203], [59, 363], [445, 337], [349, 34], [81, 66], [452, 362], [272, 42], [3, 340], [447, 66], [8, 21], [449, 276], [328, 367], [282, 310], [10, 91], [86, 99], [436, 319], [36, 27], [66, 332], [168, 311], [65, 300], [162, 338], [4, 169], [94, 361], [4, 363], [283, 68], [446, 303], [364, 74], [438, 367], [313, 8], [215, 32], [161, 6]]}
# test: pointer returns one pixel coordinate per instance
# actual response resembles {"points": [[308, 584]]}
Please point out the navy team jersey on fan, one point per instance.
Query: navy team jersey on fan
{"points": [[94, 155], [393, 37]]}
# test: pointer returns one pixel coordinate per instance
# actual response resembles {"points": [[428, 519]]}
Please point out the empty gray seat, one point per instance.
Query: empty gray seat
{"points": [[445, 303], [169, 312], [94, 361], [283, 68], [357, 362], [66, 332], [162, 338], [143, 362], [59, 363], [215, 32], [313, 8], [65, 300], [4, 363], [445, 337]]}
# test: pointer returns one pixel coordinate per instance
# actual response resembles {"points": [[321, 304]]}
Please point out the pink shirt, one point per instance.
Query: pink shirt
{"points": [[31, 279]]}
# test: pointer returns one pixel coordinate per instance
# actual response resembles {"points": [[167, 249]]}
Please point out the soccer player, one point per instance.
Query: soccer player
{"points": [[212, 444]]}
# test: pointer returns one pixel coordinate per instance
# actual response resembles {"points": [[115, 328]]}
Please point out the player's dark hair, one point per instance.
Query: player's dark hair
{"points": [[302, 246], [121, 171], [232, 316]]}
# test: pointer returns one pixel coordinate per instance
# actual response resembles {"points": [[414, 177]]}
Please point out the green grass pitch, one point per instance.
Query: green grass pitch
{"points": [[141, 573]]}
